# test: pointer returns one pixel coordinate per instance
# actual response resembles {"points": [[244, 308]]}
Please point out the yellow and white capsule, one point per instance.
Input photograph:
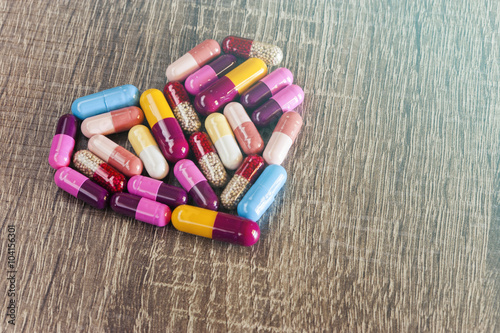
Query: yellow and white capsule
{"points": [[222, 136], [146, 148]]}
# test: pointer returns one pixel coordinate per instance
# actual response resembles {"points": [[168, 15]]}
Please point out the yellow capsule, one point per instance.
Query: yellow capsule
{"points": [[222, 136], [155, 106], [146, 148], [249, 72]]}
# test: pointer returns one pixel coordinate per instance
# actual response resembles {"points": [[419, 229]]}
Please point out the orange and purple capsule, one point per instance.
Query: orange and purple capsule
{"points": [[142, 209], [63, 142]]}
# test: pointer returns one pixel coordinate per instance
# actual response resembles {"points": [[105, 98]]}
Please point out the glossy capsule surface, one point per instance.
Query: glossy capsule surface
{"points": [[181, 106], [283, 137], [266, 88], [248, 48], [63, 142], [81, 187], [193, 181], [99, 171], [157, 190], [222, 136], [242, 180], [116, 121], [142, 209], [146, 148], [284, 101], [209, 73], [115, 155], [261, 195], [243, 128], [230, 86], [164, 127], [193, 60], [215, 225], [105, 101], [208, 160]]}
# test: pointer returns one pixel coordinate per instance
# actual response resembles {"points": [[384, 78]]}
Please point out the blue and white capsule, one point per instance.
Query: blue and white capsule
{"points": [[261, 195], [105, 101]]}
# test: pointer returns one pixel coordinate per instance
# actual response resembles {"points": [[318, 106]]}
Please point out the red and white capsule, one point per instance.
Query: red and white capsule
{"points": [[183, 110], [248, 48], [208, 160]]}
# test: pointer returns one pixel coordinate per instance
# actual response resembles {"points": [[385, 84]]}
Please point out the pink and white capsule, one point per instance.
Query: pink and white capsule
{"points": [[283, 137], [244, 130]]}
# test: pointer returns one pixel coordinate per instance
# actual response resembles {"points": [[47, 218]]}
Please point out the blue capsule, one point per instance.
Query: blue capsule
{"points": [[261, 195], [105, 101]]}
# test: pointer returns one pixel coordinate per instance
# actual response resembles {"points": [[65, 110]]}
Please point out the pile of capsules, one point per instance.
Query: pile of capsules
{"points": [[216, 82]]}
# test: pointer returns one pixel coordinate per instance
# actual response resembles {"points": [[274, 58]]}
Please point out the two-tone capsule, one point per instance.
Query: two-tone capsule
{"points": [[283, 137], [181, 106], [208, 160], [262, 194], [157, 190], [105, 101], [193, 181], [215, 225], [115, 155], [242, 180], [142, 209], [81, 187], [116, 121], [248, 48], [164, 126], [63, 142], [266, 88], [193, 60], [146, 148], [244, 129], [210, 73], [99, 171], [230, 86], [284, 101], [223, 138]]}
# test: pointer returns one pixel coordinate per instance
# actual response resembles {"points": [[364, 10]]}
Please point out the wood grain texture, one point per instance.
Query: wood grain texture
{"points": [[389, 220]]}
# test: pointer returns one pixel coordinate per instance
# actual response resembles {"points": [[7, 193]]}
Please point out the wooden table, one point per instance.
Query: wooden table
{"points": [[390, 217]]}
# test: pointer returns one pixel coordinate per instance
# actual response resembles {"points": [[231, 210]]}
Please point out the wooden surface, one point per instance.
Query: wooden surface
{"points": [[389, 220]]}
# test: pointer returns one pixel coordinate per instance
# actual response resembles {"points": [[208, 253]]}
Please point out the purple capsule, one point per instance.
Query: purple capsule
{"points": [[208, 74], [142, 209], [157, 190], [63, 142], [284, 101], [266, 88], [193, 181], [81, 187]]}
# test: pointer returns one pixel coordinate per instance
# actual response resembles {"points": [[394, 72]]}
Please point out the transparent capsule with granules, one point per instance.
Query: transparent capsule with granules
{"points": [[183, 110], [242, 180], [208, 160], [99, 171], [248, 48]]}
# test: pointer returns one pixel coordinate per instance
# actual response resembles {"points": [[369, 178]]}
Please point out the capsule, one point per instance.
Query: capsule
{"points": [[242, 180], [81, 187], [146, 148], [63, 142], [283, 136], [99, 171], [244, 130], [248, 48], [266, 88], [230, 86], [115, 155], [105, 101], [208, 160], [157, 190], [181, 106], [117, 121], [193, 60], [261, 195], [210, 73], [215, 225], [284, 101], [223, 138], [142, 209], [193, 181]]}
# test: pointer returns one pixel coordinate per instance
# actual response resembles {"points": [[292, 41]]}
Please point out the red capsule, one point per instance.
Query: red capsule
{"points": [[183, 110], [99, 171], [208, 160]]}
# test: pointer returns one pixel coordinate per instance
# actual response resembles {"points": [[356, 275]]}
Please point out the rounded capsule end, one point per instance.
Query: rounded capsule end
{"points": [[249, 233]]}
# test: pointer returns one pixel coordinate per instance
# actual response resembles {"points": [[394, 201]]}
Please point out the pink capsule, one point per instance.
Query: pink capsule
{"points": [[244, 130], [142, 209], [116, 121], [63, 142], [193, 60], [284, 101], [266, 88], [283, 137], [208, 74]]}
